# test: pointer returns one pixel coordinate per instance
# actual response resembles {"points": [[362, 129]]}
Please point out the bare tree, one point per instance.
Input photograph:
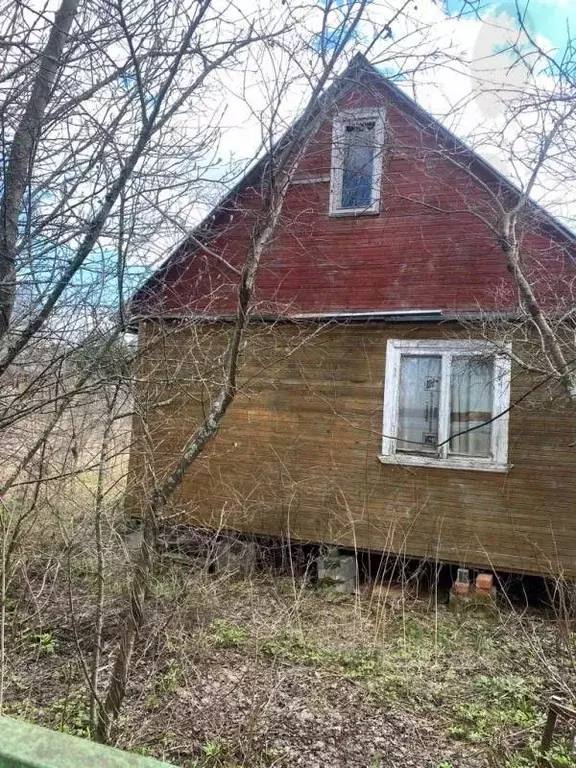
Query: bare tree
{"points": [[548, 160], [109, 123], [532, 140], [282, 160], [110, 118], [96, 147]]}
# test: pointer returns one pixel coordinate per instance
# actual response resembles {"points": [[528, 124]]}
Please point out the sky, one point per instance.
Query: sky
{"points": [[549, 18]]}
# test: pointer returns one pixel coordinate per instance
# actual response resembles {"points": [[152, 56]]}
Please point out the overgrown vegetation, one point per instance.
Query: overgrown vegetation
{"points": [[271, 671]]}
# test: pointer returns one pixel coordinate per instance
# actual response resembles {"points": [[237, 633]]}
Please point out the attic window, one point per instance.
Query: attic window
{"points": [[358, 138], [445, 405]]}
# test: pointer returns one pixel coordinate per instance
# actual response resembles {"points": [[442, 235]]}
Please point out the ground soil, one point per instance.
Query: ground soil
{"points": [[274, 671]]}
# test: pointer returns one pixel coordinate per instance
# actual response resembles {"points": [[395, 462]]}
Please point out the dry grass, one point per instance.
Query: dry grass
{"points": [[272, 671]]}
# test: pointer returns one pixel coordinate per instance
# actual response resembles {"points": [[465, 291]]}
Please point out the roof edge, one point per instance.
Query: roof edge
{"points": [[430, 316]]}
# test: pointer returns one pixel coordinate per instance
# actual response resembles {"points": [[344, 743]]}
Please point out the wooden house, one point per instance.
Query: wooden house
{"points": [[388, 400]]}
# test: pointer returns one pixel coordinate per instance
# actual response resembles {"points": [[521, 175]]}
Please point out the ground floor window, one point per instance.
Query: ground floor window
{"points": [[445, 404]]}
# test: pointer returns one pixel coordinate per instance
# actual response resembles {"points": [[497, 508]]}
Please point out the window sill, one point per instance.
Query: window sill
{"points": [[454, 462], [340, 212]]}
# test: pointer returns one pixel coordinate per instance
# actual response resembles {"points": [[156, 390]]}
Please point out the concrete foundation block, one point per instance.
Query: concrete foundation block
{"points": [[338, 571]]}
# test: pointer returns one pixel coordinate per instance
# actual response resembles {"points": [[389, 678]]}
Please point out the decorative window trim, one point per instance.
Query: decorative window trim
{"points": [[498, 461], [337, 170]]}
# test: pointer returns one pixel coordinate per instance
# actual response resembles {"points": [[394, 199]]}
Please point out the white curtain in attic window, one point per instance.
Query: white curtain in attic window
{"points": [[471, 397], [418, 403]]}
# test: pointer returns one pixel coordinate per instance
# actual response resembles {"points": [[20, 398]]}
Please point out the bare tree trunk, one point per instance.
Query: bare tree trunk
{"points": [[133, 623], [511, 247], [22, 149], [3, 586], [100, 581], [206, 431], [275, 182], [152, 124]]}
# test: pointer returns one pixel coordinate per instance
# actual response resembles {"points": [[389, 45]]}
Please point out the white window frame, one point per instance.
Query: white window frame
{"points": [[337, 169], [446, 349]]}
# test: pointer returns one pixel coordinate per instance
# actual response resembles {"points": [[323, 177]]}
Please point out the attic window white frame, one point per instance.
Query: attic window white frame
{"points": [[339, 125], [447, 349]]}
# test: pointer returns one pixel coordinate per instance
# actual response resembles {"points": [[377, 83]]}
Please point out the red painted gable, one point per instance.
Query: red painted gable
{"points": [[430, 247]]}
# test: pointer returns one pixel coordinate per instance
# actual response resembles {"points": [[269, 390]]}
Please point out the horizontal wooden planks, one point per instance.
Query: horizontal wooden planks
{"points": [[298, 454]]}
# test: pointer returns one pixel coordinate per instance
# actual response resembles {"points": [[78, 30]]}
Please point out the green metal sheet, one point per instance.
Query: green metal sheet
{"points": [[23, 745]]}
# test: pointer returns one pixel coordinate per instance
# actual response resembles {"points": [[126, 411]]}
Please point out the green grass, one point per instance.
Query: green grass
{"points": [[481, 686], [225, 634]]}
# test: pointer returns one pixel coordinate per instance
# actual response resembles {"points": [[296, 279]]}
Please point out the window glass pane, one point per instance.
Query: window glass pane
{"points": [[358, 165], [418, 402], [471, 394]]}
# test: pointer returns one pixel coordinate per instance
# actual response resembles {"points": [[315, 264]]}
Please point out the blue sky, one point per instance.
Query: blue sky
{"points": [[548, 18]]}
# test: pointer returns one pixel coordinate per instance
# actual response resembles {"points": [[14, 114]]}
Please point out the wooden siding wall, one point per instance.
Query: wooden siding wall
{"points": [[428, 248], [297, 455]]}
